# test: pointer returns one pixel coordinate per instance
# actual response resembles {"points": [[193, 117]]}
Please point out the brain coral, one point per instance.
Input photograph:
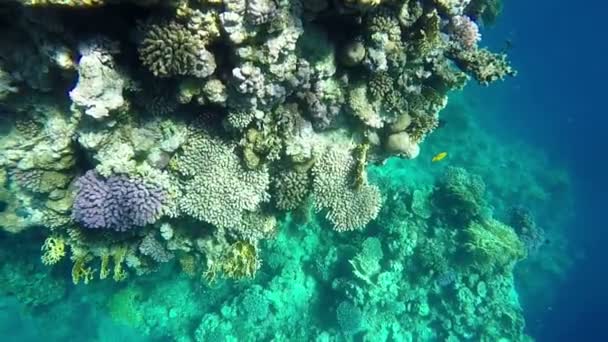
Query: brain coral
{"points": [[117, 202]]}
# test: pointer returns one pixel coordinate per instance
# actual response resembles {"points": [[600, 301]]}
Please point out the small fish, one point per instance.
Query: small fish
{"points": [[439, 157]]}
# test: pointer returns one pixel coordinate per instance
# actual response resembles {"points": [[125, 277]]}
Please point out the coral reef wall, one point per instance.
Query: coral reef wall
{"points": [[143, 135]]}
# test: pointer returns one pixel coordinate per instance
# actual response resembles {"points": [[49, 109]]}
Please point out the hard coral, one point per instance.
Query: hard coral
{"points": [[465, 31], [459, 195], [483, 65], [348, 207], [172, 50], [491, 245], [53, 250], [100, 85], [117, 202], [240, 260], [350, 318], [217, 188], [291, 189]]}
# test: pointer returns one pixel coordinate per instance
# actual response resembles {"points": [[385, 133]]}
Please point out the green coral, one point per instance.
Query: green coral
{"points": [[490, 244], [459, 196]]}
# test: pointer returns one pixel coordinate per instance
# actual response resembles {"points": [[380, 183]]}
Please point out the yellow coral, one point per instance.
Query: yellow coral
{"points": [[80, 270], [104, 270], [361, 162], [53, 250], [241, 260], [119, 256], [211, 273]]}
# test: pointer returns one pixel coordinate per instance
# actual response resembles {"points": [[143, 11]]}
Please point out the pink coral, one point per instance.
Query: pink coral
{"points": [[465, 31]]}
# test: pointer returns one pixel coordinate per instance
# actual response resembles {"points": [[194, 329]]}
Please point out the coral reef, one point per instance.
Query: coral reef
{"points": [[193, 140]]}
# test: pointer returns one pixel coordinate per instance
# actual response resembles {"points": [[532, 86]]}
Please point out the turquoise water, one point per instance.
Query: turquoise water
{"points": [[492, 242]]}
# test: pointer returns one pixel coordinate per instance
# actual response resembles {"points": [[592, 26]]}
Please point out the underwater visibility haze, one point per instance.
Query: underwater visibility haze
{"points": [[300, 170]]}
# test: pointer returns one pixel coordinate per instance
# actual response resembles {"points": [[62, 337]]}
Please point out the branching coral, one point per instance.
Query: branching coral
{"points": [[532, 236], [240, 260], [291, 188], [170, 49], [117, 203], [81, 271], [485, 66], [466, 31], [279, 120], [217, 188], [366, 263], [53, 250], [348, 208], [151, 247], [350, 318]]}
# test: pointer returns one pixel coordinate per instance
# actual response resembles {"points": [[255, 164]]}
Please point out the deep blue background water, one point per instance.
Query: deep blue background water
{"points": [[558, 103]]}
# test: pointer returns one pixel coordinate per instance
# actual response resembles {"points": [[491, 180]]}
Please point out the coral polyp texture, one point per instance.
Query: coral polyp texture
{"points": [[224, 139], [115, 203]]}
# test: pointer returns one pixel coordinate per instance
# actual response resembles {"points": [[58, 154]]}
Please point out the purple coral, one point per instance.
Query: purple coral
{"points": [[465, 31], [117, 202], [532, 236]]}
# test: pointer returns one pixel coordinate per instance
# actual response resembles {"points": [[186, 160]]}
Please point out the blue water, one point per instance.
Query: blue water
{"points": [[558, 103]]}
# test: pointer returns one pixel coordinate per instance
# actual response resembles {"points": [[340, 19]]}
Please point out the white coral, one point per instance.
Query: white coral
{"points": [[100, 85]]}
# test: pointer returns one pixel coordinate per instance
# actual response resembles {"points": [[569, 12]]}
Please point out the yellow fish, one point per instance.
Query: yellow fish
{"points": [[439, 157]]}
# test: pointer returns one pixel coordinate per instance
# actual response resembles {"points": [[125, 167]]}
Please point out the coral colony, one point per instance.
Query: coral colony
{"points": [[148, 132]]}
